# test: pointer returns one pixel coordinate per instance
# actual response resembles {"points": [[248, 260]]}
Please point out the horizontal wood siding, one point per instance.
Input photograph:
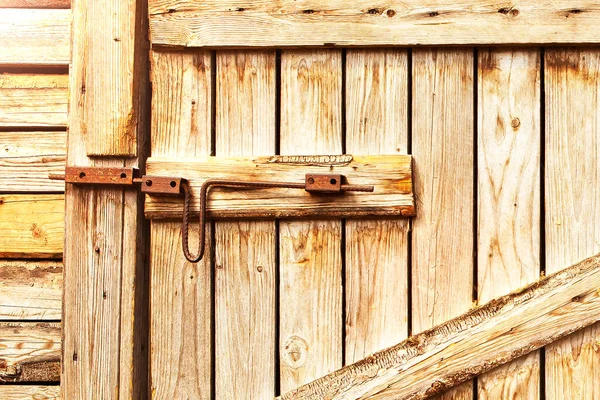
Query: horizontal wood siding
{"points": [[32, 226], [30, 352], [29, 392], [26, 159], [30, 290], [33, 100], [35, 36]]}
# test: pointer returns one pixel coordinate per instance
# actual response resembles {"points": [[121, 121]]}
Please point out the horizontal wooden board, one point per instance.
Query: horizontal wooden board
{"points": [[29, 392], [34, 100], [30, 290], [390, 175], [35, 36], [265, 23], [35, 3], [30, 352], [457, 350], [26, 159], [32, 226]]}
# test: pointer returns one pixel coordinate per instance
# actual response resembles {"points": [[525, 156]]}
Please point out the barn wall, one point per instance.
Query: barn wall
{"points": [[34, 56]]}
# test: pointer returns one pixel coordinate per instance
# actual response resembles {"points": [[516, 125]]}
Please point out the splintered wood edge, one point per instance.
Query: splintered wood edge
{"points": [[471, 344], [391, 175]]}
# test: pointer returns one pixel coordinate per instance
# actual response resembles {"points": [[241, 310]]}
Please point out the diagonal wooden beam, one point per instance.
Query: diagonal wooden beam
{"points": [[478, 341]]}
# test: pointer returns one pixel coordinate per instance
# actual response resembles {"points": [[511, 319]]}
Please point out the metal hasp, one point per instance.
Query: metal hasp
{"points": [[164, 185]]}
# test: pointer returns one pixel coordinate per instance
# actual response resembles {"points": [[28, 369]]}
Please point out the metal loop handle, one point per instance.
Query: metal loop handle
{"points": [[185, 225]]}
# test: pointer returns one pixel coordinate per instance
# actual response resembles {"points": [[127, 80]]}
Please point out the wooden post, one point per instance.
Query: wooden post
{"points": [[471, 344], [104, 336]]}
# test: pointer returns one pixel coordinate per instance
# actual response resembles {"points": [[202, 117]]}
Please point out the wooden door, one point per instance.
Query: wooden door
{"points": [[277, 304]]}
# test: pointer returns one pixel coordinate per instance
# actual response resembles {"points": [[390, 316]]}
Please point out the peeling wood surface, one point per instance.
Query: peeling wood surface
{"points": [[105, 343], [508, 154], [30, 352], [264, 23], [30, 290], [181, 292], [35, 36], [29, 392], [310, 323], [26, 159], [113, 37], [473, 343], [572, 203], [28, 100], [442, 144], [391, 176], [245, 254], [376, 250], [32, 226], [35, 3]]}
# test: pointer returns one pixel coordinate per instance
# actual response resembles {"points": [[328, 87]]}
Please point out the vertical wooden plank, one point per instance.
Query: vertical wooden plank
{"points": [[310, 251], [245, 250], [104, 311], [180, 292], [112, 34], [376, 250], [442, 145], [508, 153], [572, 204]]}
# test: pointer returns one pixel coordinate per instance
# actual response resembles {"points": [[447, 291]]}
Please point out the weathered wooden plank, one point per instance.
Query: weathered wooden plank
{"points": [[391, 176], [28, 100], [32, 226], [105, 336], [113, 42], [26, 159], [29, 392], [442, 144], [508, 240], [310, 251], [245, 274], [35, 3], [29, 352], [180, 301], [265, 23], [473, 343], [34, 36], [30, 290], [572, 203], [376, 279]]}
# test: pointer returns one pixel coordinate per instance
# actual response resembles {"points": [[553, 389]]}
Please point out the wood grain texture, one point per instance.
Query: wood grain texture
{"points": [[105, 336], [32, 226], [245, 275], [29, 392], [113, 52], [30, 290], [181, 298], [442, 145], [26, 159], [572, 203], [473, 343], [33, 100], [390, 175], [29, 352], [376, 250], [35, 36], [310, 251], [35, 3], [265, 23], [508, 153]]}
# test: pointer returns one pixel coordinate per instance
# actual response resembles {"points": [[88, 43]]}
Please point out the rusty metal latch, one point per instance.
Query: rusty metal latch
{"points": [[164, 185]]}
